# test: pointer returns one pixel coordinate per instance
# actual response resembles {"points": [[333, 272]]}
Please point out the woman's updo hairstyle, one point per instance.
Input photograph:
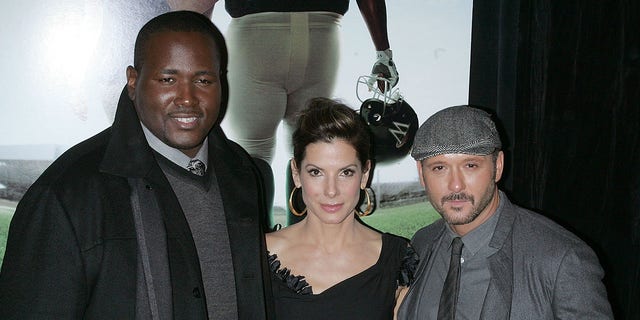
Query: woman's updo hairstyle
{"points": [[324, 120]]}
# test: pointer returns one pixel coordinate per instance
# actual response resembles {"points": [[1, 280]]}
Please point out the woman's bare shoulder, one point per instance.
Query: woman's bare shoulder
{"points": [[277, 241]]}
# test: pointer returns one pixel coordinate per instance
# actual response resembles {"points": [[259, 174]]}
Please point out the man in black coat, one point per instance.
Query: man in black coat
{"points": [[156, 217]]}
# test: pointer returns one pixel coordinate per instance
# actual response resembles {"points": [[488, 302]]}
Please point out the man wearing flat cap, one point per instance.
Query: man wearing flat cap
{"points": [[488, 258]]}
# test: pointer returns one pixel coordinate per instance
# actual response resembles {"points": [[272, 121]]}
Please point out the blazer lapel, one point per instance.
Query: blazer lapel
{"points": [[424, 243], [497, 303]]}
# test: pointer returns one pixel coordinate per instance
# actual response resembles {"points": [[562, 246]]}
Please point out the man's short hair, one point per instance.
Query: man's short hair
{"points": [[459, 129], [179, 21]]}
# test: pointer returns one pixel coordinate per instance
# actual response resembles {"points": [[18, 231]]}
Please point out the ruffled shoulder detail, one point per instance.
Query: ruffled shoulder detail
{"points": [[293, 282], [408, 267]]}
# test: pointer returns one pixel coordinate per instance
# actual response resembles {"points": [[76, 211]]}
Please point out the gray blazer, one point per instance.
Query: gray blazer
{"points": [[540, 271]]}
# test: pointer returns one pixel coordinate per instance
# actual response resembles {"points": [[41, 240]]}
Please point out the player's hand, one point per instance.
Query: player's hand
{"points": [[384, 67]]}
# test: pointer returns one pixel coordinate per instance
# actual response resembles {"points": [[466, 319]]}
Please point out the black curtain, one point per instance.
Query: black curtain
{"points": [[564, 79]]}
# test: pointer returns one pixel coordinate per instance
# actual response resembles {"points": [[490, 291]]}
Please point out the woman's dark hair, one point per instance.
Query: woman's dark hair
{"points": [[325, 120], [185, 21]]}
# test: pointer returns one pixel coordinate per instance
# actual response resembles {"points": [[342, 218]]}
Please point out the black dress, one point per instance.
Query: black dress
{"points": [[368, 295]]}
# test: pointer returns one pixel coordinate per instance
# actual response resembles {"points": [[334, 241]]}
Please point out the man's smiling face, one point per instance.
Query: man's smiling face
{"points": [[177, 90]]}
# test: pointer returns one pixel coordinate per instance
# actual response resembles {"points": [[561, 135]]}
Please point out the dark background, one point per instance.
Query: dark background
{"points": [[564, 79]]}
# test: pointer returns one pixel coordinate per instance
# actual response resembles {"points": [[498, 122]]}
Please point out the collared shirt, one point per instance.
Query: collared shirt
{"points": [[174, 155], [474, 274], [204, 211]]}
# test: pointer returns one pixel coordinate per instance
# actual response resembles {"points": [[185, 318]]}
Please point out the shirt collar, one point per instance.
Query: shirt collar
{"points": [[480, 236], [174, 155]]}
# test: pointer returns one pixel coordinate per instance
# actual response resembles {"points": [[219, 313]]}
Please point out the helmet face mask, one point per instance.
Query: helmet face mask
{"points": [[392, 121], [388, 95]]}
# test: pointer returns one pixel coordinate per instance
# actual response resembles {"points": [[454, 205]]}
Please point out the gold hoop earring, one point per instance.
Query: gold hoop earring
{"points": [[292, 208], [369, 208]]}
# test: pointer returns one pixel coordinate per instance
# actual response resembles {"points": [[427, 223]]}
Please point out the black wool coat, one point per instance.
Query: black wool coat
{"points": [[72, 248]]}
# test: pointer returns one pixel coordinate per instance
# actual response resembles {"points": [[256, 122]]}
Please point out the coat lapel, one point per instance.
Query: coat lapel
{"points": [[497, 303], [243, 205], [424, 242]]}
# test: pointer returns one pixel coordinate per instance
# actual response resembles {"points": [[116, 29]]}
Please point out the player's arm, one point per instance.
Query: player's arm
{"points": [[374, 13]]}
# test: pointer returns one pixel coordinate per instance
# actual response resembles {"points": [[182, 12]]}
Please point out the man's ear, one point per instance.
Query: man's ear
{"points": [[499, 165], [132, 78]]}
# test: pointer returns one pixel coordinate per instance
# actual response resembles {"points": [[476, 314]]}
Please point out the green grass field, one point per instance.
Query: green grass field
{"points": [[403, 221], [5, 218]]}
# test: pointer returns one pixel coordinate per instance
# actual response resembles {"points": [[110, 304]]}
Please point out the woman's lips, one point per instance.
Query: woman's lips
{"points": [[331, 207]]}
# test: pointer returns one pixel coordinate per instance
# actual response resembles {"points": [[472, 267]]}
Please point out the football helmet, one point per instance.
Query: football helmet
{"points": [[392, 121]]}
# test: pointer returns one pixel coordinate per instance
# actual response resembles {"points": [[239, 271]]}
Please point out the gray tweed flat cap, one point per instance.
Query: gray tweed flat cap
{"points": [[459, 129]]}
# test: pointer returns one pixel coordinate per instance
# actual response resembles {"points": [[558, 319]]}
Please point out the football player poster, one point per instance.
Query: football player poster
{"points": [[64, 65]]}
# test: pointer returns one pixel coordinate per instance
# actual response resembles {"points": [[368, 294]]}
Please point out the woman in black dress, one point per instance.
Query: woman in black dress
{"points": [[330, 265]]}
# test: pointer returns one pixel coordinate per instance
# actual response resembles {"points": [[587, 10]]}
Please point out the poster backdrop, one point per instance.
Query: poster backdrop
{"points": [[64, 64]]}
